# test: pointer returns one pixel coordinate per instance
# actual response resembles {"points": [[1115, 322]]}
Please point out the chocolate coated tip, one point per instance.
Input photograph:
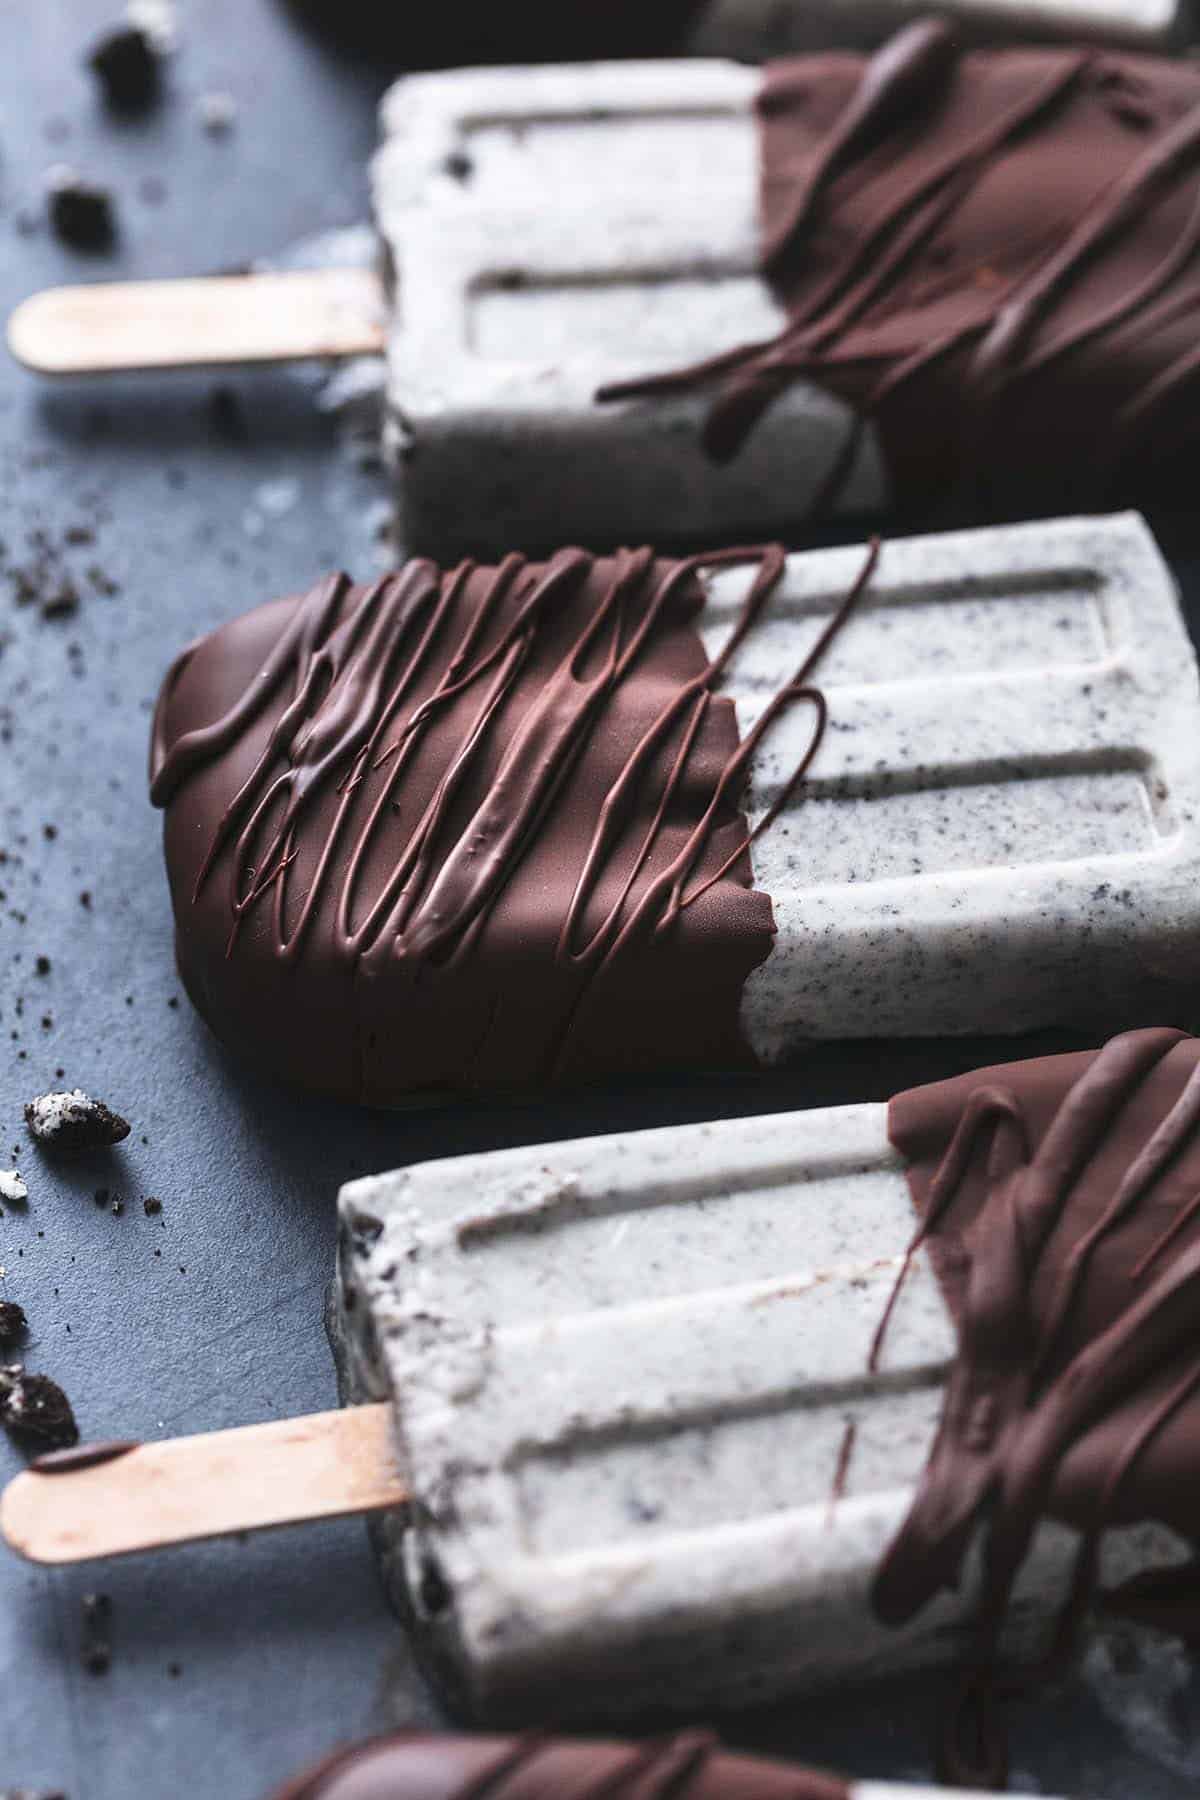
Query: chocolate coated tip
{"points": [[421, 1766]]}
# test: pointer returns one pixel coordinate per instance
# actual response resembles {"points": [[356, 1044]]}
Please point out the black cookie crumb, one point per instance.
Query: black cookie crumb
{"points": [[42, 966], [12, 1321], [96, 1647], [81, 213], [73, 1122], [227, 415], [151, 1206], [128, 68], [35, 1408]]}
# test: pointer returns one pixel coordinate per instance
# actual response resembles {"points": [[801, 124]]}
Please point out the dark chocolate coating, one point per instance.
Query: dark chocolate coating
{"points": [[1061, 1201], [475, 828], [421, 1766], [995, 257]]}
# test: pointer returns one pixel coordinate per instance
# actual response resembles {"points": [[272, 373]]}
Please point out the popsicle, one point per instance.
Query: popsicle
{"points": [[662, 1423], [687, 1766], [814, 290], [819, 289], [695, 1416], [608, 817]]}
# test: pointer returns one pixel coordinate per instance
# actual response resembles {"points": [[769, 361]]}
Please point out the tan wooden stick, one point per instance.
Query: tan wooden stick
{"points": [[103, 328], [184, 1489]]}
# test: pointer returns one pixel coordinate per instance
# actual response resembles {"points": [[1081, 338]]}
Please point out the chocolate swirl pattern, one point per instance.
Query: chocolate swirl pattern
{"points": [[487, 810], [1012, 356], [687, 1766], [1060, 1199]]}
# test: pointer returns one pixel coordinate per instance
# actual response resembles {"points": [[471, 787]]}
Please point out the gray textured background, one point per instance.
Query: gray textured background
{"points": [[235, 1662]]}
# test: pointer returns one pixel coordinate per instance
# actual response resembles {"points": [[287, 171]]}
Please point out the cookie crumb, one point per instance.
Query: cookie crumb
{"points": [[12, 1187], [12, 1321], [34, 1407], [151, 1206], [96, 1646], [126, 64], [217, 113], [73, 1122], [81, 213]]}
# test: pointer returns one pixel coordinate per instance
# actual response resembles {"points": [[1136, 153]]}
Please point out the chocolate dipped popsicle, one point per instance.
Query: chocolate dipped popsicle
{"points": [[819, 288], [698, 1416], [511, 826], [691, 1765]]}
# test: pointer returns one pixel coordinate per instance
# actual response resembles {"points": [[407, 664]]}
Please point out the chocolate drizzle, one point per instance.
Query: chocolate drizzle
{"points": [[687, 1766], [1012, 357], [1060, 1199], [452, 823]]}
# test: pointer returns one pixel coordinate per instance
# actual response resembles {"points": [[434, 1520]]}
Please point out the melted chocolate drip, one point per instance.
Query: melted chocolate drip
{"points": [[81, 1456], [476, 826], [1013, 357], [1058, 1198], [688, 1766]]}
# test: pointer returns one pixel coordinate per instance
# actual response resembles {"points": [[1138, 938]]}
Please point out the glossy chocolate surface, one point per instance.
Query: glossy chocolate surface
{"points": [[995, 257], [1060, 1198], [471, 828]]}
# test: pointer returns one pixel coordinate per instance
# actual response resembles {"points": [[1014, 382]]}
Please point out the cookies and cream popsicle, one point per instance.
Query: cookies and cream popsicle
{"points": [[690, 1417], [509, 826], [697, 1416], [411, 1765], [813, 289]]}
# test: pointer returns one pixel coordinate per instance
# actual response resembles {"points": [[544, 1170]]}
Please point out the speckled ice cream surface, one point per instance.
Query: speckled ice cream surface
{"points": [[512, 304], [1000, 829], [624, 1374]]}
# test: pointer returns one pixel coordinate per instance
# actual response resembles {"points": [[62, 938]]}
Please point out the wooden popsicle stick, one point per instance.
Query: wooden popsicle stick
{"points": [[181, 1490], [106, 327]]}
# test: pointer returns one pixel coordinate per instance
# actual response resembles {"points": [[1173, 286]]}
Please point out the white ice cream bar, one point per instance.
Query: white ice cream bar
{"points": [[1006, 800], [514, 303], [647, 1461]]}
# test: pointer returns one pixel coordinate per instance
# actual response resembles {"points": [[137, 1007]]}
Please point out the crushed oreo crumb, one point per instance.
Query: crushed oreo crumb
{"points": [[73, 1122], [218, 113], [34, 1407], [96, 1648], [151, 1206], [227, 415], [42, 966], [81, 212], [12, 1321], [118, 1208], [127, 65], [12, 1187]]}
